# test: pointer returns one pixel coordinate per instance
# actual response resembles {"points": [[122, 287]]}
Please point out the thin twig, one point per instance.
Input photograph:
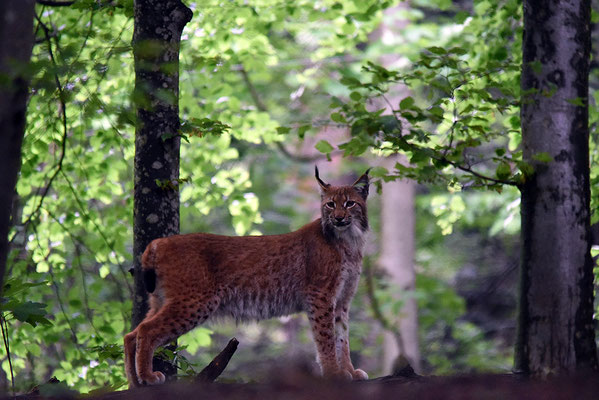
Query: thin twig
{"points": [[88, 310], [376, 309], [63, 110], [100, 232], [262, 107], [4, 326], [61, 305]]}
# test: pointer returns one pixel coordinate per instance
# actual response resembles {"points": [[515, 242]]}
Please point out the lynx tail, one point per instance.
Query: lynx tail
{"points": [[148, 262]]}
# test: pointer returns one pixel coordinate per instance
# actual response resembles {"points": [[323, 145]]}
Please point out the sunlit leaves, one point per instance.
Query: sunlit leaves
{"points": [[455, 115]]}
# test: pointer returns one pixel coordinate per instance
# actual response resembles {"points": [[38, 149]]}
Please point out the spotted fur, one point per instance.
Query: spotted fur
{"points": [[314, 270]]}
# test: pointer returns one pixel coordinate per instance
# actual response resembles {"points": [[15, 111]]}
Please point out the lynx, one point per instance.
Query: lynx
{"points": [[314, 269]]}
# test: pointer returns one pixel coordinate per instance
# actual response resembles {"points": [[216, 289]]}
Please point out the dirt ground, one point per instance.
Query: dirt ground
{"points": [[296, 385]]}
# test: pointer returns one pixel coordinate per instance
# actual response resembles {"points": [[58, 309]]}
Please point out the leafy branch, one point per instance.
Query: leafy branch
{"points": [[440, 138]]}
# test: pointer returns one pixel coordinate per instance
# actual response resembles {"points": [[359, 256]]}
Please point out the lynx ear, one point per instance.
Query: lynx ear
{"points": [[323, 186], [361, 185]]}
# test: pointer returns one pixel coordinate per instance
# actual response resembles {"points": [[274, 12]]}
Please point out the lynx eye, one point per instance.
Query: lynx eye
{"points": [[330, 204], [350, 203]]}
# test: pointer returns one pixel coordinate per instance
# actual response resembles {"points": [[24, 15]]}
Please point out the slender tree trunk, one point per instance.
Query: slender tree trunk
{"points": [[397, 223], [156, 39], [397, 257], [555, 326], [16, 43]]}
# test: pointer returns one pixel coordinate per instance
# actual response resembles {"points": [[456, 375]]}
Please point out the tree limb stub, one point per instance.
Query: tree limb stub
{"points": [[218, 365]]}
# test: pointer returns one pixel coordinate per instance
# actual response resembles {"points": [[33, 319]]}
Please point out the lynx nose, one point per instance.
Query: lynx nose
{"points": [[338, 219]]}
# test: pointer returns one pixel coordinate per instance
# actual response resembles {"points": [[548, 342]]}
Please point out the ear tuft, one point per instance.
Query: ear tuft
{"points": [[324, 186], [362, 184]]}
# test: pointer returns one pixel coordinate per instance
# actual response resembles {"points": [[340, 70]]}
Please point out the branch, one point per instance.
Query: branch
{"points": [[461, 167], [262, 107], [218, 365], [4, 327], [469, 170], [100, 232], [63, 110], [376, 309]]}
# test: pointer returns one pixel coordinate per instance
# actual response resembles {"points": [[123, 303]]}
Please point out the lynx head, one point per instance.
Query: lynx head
{"points": [[343, 208]]}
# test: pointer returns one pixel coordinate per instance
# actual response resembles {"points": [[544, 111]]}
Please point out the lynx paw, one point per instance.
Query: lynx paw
{"points": [[153, 378], [339, 375], [359, 375]]}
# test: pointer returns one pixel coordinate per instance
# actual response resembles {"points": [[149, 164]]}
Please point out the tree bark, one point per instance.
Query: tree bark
{"points": [[398, 224], [397, 258], [16, 43], [555, 321], [158, 25]]}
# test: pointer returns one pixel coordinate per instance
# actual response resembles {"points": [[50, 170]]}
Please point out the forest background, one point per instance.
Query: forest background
{"points": [[266, 88]]}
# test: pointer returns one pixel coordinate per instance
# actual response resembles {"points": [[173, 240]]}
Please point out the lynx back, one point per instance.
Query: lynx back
{"points": [[315, 270]]}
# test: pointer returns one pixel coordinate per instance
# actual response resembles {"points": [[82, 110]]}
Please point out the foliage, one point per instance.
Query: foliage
{"points": [[76, 179], [456, 130], [253, 75]]}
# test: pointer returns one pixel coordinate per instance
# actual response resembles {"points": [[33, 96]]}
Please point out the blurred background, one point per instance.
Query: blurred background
{"points": [[440, 268]]}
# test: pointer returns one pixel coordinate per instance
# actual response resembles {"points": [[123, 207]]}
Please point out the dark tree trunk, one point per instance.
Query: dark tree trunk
{"points": [[16, 43], [555, 325], [156, 39]]}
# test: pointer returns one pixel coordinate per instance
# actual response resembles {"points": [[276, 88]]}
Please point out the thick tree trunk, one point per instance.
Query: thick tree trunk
{"points": [[16, 43], [156, 39], [555, 326]]}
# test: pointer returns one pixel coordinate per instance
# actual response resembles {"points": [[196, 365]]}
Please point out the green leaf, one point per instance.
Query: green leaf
{"points": [[437, 50], [537, 66], [355, 96], [338, 117], [283, 130], [543, 157], [407, 103], [350, 81], [108, 352], [301, 131], [419, 156], [324, 147], [378, 172], [577, 101], [503, 171], [29, 311]]}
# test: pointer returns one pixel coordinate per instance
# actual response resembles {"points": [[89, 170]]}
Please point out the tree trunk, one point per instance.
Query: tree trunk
{"points": [[397, 223], [156, 39], [397, 257], [555, 322], [16, 43]]}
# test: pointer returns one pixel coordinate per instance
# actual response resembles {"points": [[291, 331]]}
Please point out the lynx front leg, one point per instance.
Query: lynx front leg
{"points": [[342, 329], [322, 321], [342, 343]]}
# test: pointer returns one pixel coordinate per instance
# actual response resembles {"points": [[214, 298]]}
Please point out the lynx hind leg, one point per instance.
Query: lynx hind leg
{"points": [[173, 320], [129, 349], [130, 344]]}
